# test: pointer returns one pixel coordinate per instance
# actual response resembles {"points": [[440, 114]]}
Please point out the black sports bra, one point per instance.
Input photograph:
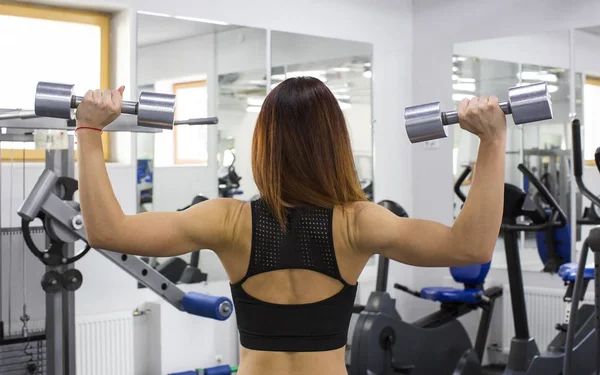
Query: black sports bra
{"points": [[307, 244]]}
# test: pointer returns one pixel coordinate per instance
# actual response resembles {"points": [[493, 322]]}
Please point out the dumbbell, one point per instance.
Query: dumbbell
{"points": [[153, 110], [529, 103]]}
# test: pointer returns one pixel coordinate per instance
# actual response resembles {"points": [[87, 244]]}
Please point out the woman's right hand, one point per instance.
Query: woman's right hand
{"points": [[482, 117]]}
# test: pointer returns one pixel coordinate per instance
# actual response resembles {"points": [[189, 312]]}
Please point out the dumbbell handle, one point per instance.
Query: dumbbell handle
{"points": [[130, 108], [198, 121], [451, 117]]}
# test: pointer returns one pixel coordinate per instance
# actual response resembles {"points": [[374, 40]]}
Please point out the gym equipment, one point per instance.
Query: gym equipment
{"points": [[229, 180], [582, 277], [13, 119], [524, 356], [583, 274], [554, 247], [197, 199], [218, 370], [459, 181], [198, 121], [153, 110], [366, 184], [60, 324], [192, 274], [176, 270], [62, 223], [529, 103], [382, 343], [552, 166], [43, 199], [52, 282], [172, 268], [219, 308]]}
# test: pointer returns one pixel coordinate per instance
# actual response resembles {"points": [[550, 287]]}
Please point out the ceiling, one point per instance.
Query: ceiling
{"points": [[156, 29], [348, 78]]}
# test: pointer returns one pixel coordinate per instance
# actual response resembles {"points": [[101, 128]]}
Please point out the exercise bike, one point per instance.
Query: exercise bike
{"points": [[524, 356], [583, 274], [382, 343], [229, 181]]}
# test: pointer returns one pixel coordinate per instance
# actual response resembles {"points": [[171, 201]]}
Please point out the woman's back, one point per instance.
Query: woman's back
{"points": [[294, 298], [293, 288]]}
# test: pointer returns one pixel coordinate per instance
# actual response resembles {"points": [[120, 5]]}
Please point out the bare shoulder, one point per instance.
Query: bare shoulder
{"points": [[226, 217], [360, 211], [218, 207], [371, 226], [351, 216]]}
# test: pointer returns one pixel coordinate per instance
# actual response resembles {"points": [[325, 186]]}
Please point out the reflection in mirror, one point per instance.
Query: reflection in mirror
{"points": [[345, 67], [587, 65], [178, 56], [493, 66], [241, 64], [178, 168]]}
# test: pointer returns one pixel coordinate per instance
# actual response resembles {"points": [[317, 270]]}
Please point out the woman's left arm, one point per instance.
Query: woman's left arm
{"points": [[208, 225]]}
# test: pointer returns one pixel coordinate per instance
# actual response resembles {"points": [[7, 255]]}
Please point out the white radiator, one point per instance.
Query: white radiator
{"points": [[545, 308], [105, 344]]}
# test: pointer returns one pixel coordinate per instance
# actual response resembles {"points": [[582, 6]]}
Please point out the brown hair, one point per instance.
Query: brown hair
{"points": [[301, 153]]}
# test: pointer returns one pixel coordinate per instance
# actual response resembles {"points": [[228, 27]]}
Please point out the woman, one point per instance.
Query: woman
{"points": [[294, 256]]}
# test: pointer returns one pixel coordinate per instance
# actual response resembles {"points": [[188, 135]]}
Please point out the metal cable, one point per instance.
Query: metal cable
{"points": [[10, 235], [25, 317], [24, 257]]}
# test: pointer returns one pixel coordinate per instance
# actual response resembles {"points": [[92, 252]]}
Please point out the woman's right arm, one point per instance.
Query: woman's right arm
{"points": [[472, 237]]}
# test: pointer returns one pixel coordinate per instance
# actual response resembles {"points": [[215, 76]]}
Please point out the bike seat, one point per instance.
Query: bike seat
{"points": [[568, 272], [446, 294]]}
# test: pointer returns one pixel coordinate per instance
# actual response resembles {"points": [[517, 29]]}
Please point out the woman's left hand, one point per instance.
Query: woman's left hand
{"points": [[99, 108]]}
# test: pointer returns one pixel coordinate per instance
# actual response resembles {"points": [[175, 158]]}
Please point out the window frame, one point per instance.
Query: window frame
{"points": [[177, 86], [101, 20]]}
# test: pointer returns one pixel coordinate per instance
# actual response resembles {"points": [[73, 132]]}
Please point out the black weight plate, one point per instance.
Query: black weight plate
{"points": [[52, 282], [72, 279]]}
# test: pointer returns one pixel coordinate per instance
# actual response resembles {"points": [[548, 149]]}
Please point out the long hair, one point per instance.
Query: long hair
{"points": [[301, 153]]}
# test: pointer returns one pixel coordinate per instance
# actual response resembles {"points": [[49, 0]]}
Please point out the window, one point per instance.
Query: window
{"points": [[191, 141], [41, 49], [591, 115]]}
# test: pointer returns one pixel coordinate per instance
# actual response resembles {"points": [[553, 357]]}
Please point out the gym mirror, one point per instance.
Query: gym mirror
{"points": [[493, 66], [189, 59], [345, 67], [242, 67], [586, 44]]}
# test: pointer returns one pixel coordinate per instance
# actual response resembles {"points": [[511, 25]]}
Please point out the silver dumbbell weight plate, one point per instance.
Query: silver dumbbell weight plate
{"points": [[156, 110], [424, 122], [54, 100], [530, 103]]}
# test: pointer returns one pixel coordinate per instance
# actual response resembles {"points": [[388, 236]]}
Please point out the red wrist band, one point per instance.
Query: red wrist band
{"points": [[88, 127]]}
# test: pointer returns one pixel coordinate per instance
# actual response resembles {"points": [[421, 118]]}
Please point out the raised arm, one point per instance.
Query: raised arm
{"points": [[208, 225], [472, 238]]}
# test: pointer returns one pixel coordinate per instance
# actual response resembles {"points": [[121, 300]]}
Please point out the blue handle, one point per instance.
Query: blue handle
{"points": [[214, 307], [219, 370]]}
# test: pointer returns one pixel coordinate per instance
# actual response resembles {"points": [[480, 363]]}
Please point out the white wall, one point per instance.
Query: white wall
{"points": [[550, 48]]}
